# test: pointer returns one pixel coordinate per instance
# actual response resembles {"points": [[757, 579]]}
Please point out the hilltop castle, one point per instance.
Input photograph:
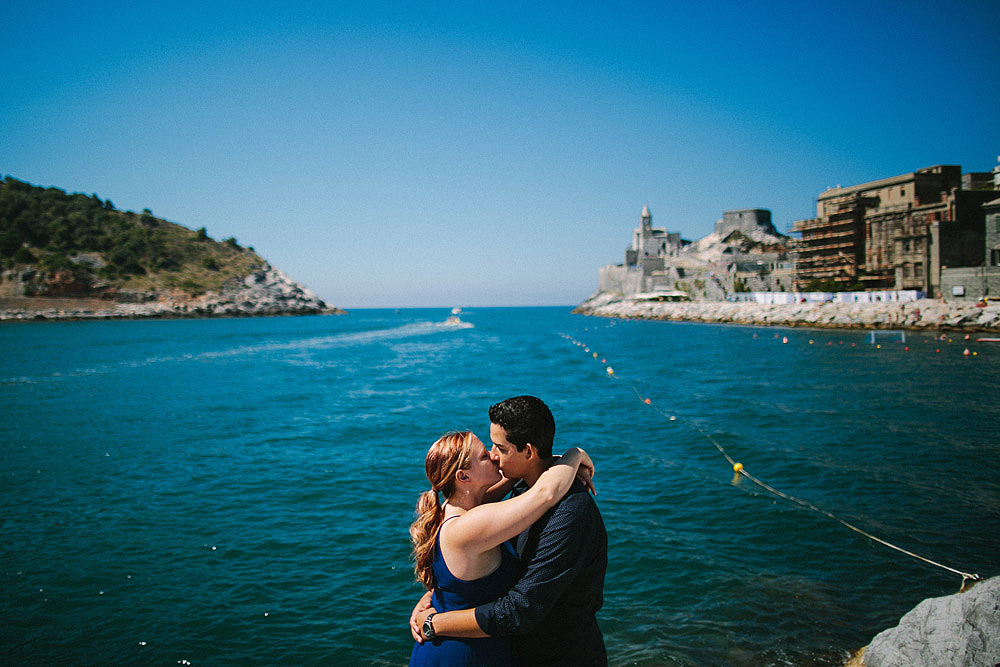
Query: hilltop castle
{"points": [[744, 252]]}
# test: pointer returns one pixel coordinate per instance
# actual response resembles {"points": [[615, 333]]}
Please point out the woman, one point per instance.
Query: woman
{"points": [[460, 547]]}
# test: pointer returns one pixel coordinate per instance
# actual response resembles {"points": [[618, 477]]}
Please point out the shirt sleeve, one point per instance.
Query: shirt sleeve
{"points": [[561, 553]]}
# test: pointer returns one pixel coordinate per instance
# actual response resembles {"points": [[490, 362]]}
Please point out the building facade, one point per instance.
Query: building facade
{"points": [[744, 253], [896, 233], [650, 246], [983, 280], [744, 220]]}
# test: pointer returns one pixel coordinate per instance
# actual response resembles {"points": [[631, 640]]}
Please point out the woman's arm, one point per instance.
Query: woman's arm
{"points": [[488, 525]]}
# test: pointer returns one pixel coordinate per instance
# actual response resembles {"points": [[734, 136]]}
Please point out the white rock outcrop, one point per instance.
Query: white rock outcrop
{"points": [[961, 630]]}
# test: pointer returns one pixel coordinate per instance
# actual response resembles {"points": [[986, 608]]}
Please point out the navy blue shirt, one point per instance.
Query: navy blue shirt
{"points": [[551, 610]]}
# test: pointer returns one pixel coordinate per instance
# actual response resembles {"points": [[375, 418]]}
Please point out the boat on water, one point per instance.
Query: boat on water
{"points": [[456, 310], [988, 340], [453, 319]]}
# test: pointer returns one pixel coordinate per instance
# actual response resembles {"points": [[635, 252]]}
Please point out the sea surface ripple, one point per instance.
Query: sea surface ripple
{"points": [[238, 491]]}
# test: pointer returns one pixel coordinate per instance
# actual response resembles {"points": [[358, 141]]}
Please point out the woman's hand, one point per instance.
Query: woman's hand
{"points": [[585, 473], [419, 614]]}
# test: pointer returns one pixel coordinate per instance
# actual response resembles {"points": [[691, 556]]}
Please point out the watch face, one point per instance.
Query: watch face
{"points": [[428, 628]]}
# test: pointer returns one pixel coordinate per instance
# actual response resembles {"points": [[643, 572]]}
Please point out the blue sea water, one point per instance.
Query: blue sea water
{"points": [[238, 491]]}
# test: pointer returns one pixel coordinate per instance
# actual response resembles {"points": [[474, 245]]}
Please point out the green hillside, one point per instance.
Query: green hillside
{"points": [[81, 240]]}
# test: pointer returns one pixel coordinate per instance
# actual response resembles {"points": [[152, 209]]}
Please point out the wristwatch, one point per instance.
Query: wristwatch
{"points": [[429, 626]]}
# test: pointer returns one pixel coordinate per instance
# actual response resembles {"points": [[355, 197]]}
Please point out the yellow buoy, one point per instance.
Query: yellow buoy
{"points": [[737, 467], [595, 355], [610, 371]]}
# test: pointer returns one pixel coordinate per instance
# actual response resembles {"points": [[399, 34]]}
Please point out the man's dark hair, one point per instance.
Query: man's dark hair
{"points": [[526, 419]]}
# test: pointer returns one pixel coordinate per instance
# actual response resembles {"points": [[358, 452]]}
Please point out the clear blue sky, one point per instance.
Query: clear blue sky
{"points": [[474, 153]]}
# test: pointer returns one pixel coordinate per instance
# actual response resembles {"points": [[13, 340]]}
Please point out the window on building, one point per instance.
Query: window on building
{"points": [[995, 257], [907, 270], [918, 245], [918, 270], [906, 245]]}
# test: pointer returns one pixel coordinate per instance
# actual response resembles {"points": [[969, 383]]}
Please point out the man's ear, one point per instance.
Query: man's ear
{"points": [[462, 476], [529, 451]]}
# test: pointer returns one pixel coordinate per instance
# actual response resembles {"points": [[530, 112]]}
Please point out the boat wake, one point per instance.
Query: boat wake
{"points": [[314, 343]]}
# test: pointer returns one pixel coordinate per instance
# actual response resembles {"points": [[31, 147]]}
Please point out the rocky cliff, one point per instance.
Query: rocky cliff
{"points": [[77, 256], [267, 291]]}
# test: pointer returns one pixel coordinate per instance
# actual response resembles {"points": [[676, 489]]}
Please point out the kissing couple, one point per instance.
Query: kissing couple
{"points": [[515, 581]]}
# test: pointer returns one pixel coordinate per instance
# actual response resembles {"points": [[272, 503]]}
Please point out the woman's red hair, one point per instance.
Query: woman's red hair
{"points": [[449, 454]]}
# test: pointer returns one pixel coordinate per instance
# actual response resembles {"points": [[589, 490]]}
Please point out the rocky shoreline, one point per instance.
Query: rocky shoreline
{"points": [[922, 314], [961, 630], [267, 292]]}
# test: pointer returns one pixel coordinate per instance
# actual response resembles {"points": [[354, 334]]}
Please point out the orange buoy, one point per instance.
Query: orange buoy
{"points": [[647, 401]]}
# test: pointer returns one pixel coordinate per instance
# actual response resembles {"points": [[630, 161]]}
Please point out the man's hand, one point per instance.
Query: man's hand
{"points": [[422, 609], [420, 617]]}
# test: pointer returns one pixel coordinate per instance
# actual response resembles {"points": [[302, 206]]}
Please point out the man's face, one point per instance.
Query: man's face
{"points": [[504, 452]]}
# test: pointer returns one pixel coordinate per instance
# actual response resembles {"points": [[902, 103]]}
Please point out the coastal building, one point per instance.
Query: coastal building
{"points": [[645, 267], [770, 272], [992, 209], [973, 282], [755, 254], [895, 233], [650, 246], [745, 221], [745, 252]]}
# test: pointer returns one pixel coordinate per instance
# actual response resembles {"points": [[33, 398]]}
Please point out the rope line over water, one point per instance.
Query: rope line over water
{"points": [[739, 469]]}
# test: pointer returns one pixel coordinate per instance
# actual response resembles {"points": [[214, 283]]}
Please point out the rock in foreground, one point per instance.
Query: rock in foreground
{"points": [[955, 630]]}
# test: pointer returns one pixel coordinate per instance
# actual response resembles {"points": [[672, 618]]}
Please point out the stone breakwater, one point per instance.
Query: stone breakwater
{"points": [[262, 293], [923, 314]]}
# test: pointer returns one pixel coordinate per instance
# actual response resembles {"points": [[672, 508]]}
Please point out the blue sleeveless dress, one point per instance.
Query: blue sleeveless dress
{"points": [[452, 593]]}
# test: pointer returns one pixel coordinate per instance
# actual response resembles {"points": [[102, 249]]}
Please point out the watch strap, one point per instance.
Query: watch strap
{"points": [[429, 625]]}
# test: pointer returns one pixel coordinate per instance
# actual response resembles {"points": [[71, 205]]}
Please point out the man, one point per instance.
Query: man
{"points": [[551, 611]]}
